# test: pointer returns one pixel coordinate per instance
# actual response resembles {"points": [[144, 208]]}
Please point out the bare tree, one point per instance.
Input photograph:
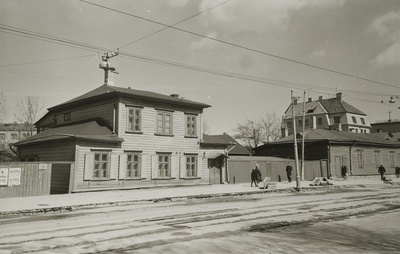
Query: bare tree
{"points": [[272, 127], [206, 127], [251, 132], [255, 132], [28, 110], [3, 107]]}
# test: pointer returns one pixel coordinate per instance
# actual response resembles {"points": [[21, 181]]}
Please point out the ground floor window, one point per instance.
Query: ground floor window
{"points": [[360, 158], [191, 165], [101, 165], [133, 165], [164, 165]]}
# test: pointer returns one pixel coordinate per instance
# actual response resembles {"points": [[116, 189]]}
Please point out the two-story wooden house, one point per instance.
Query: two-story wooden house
{"points": [[332, 113], [122, 138]]}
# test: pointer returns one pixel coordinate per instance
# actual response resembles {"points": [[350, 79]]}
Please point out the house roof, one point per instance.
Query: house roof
{"points": [[110, 91], [83, 131], [225, 139], [327, 106], [337, 137]]}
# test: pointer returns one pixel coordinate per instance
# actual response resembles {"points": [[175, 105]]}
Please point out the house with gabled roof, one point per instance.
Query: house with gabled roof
{"points": [[362, 153], [120, 138], [332, 113]]}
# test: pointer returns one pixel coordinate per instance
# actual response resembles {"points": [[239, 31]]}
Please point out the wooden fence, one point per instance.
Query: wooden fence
{"points": [[22, 179], [239, 168]]}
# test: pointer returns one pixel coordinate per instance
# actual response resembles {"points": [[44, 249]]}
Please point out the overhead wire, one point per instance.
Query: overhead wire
{"points": [[174, 24], [46, 61], [241, 46], [58, 40]]}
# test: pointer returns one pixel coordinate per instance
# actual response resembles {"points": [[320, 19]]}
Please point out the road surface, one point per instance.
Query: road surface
{"points": [[342, 220]]}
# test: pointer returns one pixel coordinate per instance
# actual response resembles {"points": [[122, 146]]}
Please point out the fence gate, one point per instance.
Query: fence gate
{"points": [[60, 178]]}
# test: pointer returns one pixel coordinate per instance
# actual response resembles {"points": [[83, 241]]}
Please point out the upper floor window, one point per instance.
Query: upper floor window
{"points": [[191, 125], [353, 118], [164, 123], [67, 117], [336, 119], [319, 121], [362, 121], [134, 119], [2, 136]]}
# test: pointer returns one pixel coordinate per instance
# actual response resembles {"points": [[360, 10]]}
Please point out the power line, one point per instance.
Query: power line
{"points": [[45, 61], [241, 46], [197, 14], [57, 40]]}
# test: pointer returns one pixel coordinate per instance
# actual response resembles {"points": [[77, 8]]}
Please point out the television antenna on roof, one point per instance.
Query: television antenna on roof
{"points": [[105, 65]]}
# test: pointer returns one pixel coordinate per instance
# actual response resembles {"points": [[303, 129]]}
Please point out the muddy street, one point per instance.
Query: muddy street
{"points": [[357, 220]]}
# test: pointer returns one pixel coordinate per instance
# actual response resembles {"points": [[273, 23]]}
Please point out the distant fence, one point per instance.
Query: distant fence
{"points": [[22, 179], [239, 168]]}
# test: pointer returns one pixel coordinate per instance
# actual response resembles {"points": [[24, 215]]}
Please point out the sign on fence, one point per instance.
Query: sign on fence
{"points": [[14, 176], [3, 176]]}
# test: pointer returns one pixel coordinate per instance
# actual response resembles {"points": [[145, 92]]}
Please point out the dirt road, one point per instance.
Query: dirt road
{"points": [[349, 220]]}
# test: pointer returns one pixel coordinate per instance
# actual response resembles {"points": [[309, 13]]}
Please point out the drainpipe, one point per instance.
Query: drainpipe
{"points": [[350, 163], [114, 118]]}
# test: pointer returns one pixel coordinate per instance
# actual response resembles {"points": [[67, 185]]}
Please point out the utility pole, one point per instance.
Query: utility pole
{"points": [[105, 65], [302, 136], [296, 156]]}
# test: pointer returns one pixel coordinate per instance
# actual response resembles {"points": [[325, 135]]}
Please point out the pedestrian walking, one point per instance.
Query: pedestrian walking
{"points": [[344, 172], [382, 171], [397, 171], [289, 172], [258, 177]]}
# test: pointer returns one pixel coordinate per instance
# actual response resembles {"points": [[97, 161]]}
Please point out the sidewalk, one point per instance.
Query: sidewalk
{"points": [[69, 202]]}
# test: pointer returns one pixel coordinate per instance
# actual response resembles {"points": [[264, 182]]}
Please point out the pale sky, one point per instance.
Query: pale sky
{"points": [[251, 52]]}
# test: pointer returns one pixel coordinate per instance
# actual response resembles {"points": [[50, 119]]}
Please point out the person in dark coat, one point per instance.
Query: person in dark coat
{"points": [[344, 172], [289, 172], [382, 171], [397, 171], [258, 176], [253, 177]]}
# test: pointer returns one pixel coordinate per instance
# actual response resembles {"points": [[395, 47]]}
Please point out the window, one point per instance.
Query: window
{"points": [[362, 121], [319, 120], [191, 165], [14, 135], [67, 117], [300, 123], [164, 123], [164, 165], [133, 165], [392, 159], [2, 136], [191, 125], [134, 119], [360, 158], [101, 165], [353, 118], [289, 124], [378, 160], [336, 119], [307, 122]]}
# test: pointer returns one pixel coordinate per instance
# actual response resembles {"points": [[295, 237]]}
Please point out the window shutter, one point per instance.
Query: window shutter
{"points": [[182, 168], [88, 174], [143, 170], [113, 166], [154, 167], [173, 166], [199, 166], [122, 166]]}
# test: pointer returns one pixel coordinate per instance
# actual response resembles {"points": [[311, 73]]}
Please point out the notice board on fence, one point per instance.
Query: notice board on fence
{"points": [[14, 176], [3, 176]]}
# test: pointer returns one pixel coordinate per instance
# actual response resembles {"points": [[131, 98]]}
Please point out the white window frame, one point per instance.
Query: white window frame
{"points": [[191, 125], [164, 166], [191, 165], [131, 124], [360, 158], [133, 166], [162, 123]]}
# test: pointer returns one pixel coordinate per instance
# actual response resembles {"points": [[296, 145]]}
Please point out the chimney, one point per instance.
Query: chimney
{"points": [[309, 99], [320, 98], [174, 95], [339, 96]]}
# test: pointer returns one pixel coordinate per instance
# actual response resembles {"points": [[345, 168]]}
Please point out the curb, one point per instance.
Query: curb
{"points": [[70, 208]]}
